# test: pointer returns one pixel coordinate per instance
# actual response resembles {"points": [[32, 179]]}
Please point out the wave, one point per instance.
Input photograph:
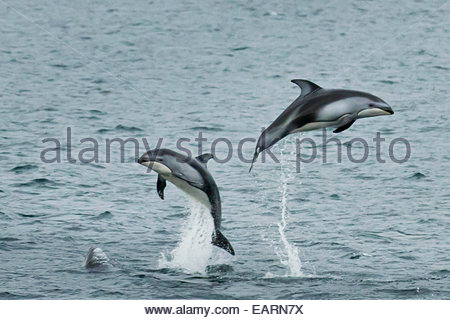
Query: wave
{"points": [[24, 168], [120, 128], [40, 182]]}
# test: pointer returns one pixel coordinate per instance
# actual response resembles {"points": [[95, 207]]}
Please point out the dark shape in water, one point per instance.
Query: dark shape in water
{"points": [[104, 215], [418, 175], [40, 182], [120, 128], [23, 168]]}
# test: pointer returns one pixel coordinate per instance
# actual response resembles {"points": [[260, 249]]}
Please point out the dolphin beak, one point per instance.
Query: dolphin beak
{"points": [[146, 162], [143, 158], [387, 108]]}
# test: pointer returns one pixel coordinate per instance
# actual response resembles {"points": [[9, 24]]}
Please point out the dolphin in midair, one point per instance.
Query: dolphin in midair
{"points": [[317, 108], [191, 176]]}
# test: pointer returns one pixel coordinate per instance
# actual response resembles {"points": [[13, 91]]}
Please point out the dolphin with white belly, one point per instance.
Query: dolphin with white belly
{"points": [[317, 108], [191, 176]]}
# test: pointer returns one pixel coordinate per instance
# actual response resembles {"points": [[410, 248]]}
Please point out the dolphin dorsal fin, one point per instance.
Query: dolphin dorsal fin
{"points": [[204, 158], [306, 86]]}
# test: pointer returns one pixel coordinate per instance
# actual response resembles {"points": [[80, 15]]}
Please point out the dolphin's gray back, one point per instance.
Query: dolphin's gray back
{"points": [[185, 170], [314, 103]]}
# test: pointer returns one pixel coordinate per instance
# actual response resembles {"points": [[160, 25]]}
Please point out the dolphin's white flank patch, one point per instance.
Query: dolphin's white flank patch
{"points": [[318, 125], [158, 167], [197, 194], [337, 108], [372, 112], [315, 125]]}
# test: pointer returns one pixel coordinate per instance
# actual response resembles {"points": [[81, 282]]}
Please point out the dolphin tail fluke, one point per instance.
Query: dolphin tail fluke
{"points": [[220, 241]]}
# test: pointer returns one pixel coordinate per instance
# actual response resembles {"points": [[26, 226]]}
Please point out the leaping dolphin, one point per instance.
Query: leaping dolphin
{"points": [[317, 108], [191, 176]]}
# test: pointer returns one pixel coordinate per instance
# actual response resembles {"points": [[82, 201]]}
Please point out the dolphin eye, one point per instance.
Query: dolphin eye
{"points": [[371, 105]]}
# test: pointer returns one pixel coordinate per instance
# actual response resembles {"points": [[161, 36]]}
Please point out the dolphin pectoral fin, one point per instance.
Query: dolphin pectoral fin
{"points": [[344, 127], [204, 158], [220, 241], [160, 185], [306, 86]]}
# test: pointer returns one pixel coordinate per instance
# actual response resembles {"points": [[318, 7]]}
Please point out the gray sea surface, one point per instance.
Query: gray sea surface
{"points": [[171, 69]]}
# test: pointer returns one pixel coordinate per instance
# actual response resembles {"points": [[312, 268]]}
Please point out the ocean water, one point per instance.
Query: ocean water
{"points": [[172, 69]]}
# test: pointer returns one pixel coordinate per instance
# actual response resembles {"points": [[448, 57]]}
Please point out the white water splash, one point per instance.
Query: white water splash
{"points": [[288, 253], [194, 252]]}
